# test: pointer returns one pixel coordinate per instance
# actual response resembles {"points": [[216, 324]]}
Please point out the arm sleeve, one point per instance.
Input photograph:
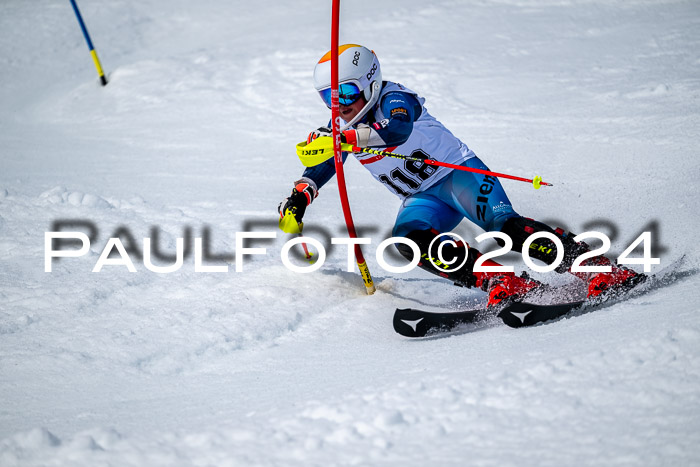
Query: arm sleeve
{"points": [[322, 172], [401, 110]]}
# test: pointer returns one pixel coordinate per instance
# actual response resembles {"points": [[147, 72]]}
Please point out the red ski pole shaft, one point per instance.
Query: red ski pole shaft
{"points": [[481, 171], [306, 251], [537, 181], [338, 153]]}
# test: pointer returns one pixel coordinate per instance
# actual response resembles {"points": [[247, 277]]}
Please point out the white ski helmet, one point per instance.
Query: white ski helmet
{"points": [[358, 69]]}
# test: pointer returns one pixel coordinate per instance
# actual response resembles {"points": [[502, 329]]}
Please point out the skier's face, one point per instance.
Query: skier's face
{"points": [[348, 112]]}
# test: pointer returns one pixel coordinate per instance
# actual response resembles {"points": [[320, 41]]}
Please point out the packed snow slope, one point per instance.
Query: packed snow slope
{"points": [[194, 137]]}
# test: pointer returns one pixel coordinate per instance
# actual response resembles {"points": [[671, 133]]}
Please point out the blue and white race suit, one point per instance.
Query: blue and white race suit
{"points": [[432, 197]]}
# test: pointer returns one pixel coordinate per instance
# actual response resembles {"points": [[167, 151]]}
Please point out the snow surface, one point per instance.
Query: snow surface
{"points": [[196, 130]]}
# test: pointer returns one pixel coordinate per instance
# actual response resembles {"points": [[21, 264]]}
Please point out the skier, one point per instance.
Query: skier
{"points": [[384, 114]]}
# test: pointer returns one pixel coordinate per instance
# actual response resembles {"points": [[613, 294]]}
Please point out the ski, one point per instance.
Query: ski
{"points": [[411, 322], [519, 314], [511, 314]]}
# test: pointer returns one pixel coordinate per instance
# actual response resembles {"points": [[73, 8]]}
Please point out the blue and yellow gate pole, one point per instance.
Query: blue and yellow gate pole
{"points": [[103, 78]]}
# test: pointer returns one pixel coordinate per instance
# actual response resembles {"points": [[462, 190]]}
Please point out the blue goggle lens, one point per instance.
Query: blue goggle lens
{"points": [[348, 93]]}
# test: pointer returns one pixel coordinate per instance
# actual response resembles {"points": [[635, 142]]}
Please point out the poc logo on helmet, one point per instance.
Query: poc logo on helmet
{"points": [[372, 71], [356, 58]]}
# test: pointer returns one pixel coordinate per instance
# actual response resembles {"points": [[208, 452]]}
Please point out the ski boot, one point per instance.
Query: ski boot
{"points": [[604, 285], [505, 288], [601, 286]]}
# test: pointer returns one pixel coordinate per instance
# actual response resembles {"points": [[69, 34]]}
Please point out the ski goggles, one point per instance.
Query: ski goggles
{"points": [[348, 94]]}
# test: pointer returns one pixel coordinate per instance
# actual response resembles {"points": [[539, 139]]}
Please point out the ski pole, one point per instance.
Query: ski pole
{"points": [[288, 224], [536, 182], [308, 255], [319, 151], [93, 53]]}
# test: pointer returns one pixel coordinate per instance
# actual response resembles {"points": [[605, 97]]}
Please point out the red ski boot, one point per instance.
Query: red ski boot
{"points": [[506, 286], [602, 285]]}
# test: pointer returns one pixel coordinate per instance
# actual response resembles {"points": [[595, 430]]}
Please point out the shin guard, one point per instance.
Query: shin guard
{"points": [[453, 255], [543, 249]]}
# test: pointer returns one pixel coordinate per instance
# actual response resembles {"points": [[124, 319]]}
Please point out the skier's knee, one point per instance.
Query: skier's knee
{"points": [[520, 228], [502, 214]]}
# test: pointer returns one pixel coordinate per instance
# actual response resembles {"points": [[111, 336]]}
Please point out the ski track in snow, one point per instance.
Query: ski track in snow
{"points": [[193, 136]]}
